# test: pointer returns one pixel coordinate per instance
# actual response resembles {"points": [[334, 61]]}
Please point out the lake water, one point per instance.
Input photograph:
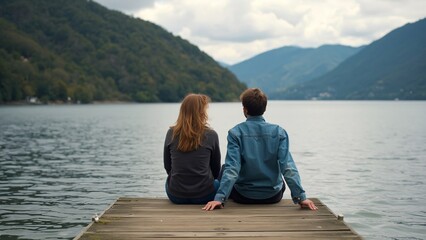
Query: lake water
{"points": [[62, 164]]}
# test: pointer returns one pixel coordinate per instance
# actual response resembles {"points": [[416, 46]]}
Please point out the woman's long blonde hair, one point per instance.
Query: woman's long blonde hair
{"points": [[192, 122]]}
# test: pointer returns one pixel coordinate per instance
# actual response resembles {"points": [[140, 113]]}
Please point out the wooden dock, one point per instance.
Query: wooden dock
{"points": [[142, 218]]}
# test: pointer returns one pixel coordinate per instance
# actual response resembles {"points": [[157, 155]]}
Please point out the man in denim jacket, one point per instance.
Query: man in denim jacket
{"points": [[257, 159]]}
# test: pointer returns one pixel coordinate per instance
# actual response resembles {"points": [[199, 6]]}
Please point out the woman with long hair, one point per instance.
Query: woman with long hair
{"points": [[192, 154]]}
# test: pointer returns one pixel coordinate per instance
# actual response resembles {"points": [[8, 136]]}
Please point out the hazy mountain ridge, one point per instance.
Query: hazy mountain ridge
{"points": [[58, 49], [393, 67], [280, 68]]}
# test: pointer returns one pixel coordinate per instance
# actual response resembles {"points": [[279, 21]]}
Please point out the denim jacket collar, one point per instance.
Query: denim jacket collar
{"points": [[256, 118]]}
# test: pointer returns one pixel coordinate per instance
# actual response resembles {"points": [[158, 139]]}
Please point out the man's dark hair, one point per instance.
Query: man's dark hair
{"points": [[254, 100]]}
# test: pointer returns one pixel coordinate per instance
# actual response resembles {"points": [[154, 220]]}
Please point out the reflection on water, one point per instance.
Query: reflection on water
{"points": [[62, 164]]}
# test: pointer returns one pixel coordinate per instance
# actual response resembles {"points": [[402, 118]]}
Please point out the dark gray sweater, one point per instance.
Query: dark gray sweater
{"points": [[191, 174]]}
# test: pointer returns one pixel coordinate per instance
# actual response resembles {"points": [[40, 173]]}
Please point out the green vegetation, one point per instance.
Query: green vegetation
{"points": [[79, 50], [393, 67]]}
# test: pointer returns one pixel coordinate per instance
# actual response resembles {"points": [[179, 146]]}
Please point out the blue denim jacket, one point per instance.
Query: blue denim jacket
{"points": [[257, 158]]}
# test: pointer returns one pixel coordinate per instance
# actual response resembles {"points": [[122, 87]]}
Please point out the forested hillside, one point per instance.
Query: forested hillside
{"points": [[393, 67], [78, 50]]}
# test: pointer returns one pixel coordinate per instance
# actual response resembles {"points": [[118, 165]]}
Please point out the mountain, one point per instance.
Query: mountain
{"points": [[79, 50], [225, 65], [280, 68], [393, 67]]}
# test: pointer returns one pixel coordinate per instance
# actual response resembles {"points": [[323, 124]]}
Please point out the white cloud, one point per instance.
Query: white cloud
{"points": [[127, 6], [232, 31]]}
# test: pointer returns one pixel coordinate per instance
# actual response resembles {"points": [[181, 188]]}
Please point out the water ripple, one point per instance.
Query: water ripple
{"points": [[62, 164]]}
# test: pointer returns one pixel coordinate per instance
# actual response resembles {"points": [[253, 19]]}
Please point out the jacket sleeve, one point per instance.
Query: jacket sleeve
{"points": [[215, 156], [289, 170], [231, 169], [166, 152]]}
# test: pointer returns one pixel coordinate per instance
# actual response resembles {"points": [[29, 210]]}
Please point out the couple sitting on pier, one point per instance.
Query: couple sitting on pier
{"points": [[257, 161]]}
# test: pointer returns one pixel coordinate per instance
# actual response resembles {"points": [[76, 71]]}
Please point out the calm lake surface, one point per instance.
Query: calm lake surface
{"points": [[62, 164]]}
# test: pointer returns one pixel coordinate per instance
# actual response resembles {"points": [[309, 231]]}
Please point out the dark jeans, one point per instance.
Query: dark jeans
{"points": [[237, 197], [202, 200]]}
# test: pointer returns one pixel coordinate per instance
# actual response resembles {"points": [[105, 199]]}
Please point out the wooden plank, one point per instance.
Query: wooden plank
{"points": [[141, 218], [222, 226], [162, 201], [231, 212], [234, 236]]}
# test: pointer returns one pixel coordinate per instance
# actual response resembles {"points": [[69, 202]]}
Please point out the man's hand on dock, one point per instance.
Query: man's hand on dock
{"points": [[212, 205], [308, 204]]}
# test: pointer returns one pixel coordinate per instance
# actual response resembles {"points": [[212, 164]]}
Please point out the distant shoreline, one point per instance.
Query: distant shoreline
{"points": [[113, 102], [25, 103]]}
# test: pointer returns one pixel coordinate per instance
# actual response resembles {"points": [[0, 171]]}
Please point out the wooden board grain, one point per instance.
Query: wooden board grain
{"points": [[153, 218]]}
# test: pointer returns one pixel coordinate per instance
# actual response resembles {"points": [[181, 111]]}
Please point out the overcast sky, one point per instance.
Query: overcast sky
{"points": [[234, 30]]}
